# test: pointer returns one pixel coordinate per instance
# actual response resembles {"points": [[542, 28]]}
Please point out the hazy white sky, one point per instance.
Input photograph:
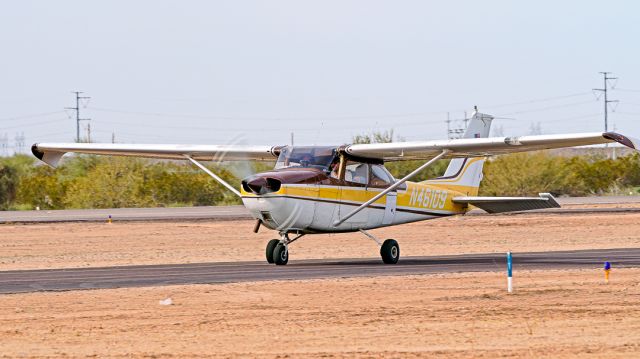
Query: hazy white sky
{"points": [[254, 71]]}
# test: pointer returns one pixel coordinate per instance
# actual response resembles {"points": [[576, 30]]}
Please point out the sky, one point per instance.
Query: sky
{"points": [[253, 72]]}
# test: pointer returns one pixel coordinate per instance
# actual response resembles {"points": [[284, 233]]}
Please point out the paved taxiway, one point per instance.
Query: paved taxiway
{"points": [[200, 273], [239, 212], [127, 214]]}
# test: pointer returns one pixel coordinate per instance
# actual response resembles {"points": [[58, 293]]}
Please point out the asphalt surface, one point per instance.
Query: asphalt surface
{"points": [[209, 273], [239, 212], [127, 214]]}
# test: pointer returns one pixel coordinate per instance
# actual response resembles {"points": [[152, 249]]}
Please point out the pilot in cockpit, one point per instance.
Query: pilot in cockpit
{"points": [[306, 159]]}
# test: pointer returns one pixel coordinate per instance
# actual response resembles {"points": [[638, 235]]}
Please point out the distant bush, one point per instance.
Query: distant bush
{"points": [[110, 182], [113, 182], [526, 174]]}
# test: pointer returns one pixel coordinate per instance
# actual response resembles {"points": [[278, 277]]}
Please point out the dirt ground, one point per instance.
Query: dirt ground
{"points": [[550, 314], [122, 243]]}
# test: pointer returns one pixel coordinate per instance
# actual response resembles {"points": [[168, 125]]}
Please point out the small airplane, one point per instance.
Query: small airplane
{"points": [[330, 189]]}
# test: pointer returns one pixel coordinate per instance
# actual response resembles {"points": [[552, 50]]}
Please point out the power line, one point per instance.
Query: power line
{"points": [[77, 109], [42, 114], [578, 117], [604, 90], [278, 118], [546, 108], [339, 117], [546, 99], [31, 124]]}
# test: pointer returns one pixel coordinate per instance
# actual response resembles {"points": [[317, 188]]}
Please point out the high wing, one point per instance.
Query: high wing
{"points": [[52, 152], [479, 147]]}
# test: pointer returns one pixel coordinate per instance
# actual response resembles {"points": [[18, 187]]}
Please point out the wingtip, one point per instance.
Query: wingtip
{"points": [[622, 139], [49, 157], [36, 152]]}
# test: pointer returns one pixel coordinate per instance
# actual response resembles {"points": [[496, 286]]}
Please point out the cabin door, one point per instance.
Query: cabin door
{"points": [[390, 208], [354, 193]]}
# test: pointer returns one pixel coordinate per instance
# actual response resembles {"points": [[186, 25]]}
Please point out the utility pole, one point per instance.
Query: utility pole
{"points": [[4, 145], [77, 109], [18, 145], [604, 90], [456, 128]]}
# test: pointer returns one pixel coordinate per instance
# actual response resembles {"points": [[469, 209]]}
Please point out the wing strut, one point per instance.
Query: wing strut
{"points": [[216, 177], [391, 188]]}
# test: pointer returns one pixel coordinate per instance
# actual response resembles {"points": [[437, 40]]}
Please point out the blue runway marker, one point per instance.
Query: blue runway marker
{"points": [[509, 272]]}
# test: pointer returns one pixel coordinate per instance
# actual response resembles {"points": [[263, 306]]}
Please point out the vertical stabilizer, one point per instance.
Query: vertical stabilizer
{"points": [[465, 173]]}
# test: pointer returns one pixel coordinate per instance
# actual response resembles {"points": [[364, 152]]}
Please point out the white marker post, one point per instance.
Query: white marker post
{"points": [[509, 272]]}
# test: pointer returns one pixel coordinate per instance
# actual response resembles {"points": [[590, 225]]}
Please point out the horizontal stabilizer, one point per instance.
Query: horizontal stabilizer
{"points": [[510, 204]]}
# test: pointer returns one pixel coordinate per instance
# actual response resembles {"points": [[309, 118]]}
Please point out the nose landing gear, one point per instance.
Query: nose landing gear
{"points": [[280, 254], [271, 245], [277, 251]]}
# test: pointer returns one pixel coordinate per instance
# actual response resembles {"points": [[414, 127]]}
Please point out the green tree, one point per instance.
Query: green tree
{"points": [[42, 187], [114, 183], [400, 169], [8, 185], [374, 137], [524, 174]]}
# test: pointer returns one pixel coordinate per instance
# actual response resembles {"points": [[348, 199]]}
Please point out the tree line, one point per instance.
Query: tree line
{"points": [[114, 182]]}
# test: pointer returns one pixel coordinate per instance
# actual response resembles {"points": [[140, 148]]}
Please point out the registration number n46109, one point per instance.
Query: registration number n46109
{"points": [[428, 197]]}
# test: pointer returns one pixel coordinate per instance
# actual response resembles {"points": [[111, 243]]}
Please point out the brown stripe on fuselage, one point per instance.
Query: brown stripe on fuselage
{"points": [[357, 204]]}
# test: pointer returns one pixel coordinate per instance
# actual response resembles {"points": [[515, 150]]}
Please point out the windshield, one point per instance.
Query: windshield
{"points": [[319, 157]]}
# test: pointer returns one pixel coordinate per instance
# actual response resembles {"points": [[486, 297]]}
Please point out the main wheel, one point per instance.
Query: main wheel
{"points": [[280, 254], [390, 251], [270, 247]]}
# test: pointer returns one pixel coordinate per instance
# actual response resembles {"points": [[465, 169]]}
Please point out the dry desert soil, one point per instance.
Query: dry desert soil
{"points": [[67, 245], [551, 314]]}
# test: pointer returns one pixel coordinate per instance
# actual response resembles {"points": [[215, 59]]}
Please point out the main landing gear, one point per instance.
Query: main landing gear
{"points": [[277, 251], [389, 249]]}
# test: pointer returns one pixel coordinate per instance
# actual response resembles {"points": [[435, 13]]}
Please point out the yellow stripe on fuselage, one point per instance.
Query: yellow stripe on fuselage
{"points": [[457, 178], [449, 183], [419, 196]]}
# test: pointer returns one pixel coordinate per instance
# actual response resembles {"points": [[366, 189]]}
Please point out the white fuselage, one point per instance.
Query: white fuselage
{"points": [[308, 208]]}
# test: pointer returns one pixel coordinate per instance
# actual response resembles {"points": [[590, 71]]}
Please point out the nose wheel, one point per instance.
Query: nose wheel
{"points": [[270, 247], [277, 251], [280, 254]]}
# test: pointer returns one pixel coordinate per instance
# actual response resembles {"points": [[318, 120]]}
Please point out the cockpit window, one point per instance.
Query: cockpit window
{"points": [[380, 177], [356, 172], [320, 157]]}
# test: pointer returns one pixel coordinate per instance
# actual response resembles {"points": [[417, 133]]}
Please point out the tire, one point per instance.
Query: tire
{"points": [[280, 254], [270, 247], [390, 251]]}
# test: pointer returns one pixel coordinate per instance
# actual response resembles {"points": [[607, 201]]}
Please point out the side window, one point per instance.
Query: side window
{"points": [[356, 173], [380, 177]]}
